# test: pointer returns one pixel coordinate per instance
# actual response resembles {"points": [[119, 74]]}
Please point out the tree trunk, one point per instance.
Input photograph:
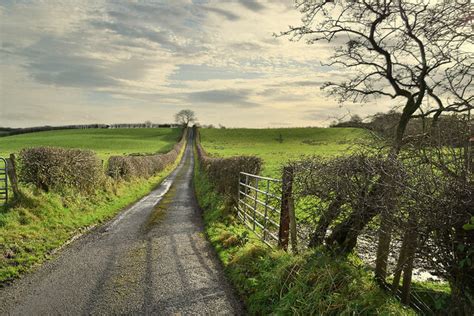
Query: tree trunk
{"points": [[462, 275], [383, 249], [461, 302], [408, 269], [333, 211], [345, 234], [402, 258], [385, 230]]}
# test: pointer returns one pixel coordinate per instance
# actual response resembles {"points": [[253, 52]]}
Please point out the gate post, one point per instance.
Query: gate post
{"points": [[11, 171], [286, 197]]}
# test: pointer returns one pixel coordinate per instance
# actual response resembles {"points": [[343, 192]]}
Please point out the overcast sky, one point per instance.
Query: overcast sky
{"points": [[66, 62]]}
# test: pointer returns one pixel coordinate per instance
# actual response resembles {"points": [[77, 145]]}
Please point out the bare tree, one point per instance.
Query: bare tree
{"points": [[184, 117], [414, 51], [148, 124]]}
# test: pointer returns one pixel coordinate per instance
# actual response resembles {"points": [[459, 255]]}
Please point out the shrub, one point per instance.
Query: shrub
{"points": [[349, 189], [61, 169], [224, 172], [136, 166]]}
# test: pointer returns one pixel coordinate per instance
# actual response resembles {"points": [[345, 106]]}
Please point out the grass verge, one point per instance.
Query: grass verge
{"points": [[39, 223], [275, 282]]}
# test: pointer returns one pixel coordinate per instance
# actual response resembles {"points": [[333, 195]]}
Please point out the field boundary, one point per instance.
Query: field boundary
{"points": [[7, 131]]}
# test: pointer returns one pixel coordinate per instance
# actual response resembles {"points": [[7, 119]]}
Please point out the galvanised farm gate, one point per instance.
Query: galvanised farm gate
{"points": [[265, 205], [3, 181]]}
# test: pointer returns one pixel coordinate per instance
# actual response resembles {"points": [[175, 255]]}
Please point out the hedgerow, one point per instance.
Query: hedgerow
{"points": [[224, 172], [142, 166], [60, 169]]}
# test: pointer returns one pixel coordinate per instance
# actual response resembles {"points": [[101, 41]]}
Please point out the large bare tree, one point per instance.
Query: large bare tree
{"points": [[418, 53], [184, 117]]}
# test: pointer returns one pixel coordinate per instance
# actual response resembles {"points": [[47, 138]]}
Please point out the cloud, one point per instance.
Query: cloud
{"points": [[227, 14], [308, 83], [189, 72], [53, 62], [120, 60], [252, 5], [246, 46], [160, 37], [239, 97]]}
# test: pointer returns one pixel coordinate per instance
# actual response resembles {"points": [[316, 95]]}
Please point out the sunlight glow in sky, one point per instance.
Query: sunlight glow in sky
{"points": [[68, 62]]}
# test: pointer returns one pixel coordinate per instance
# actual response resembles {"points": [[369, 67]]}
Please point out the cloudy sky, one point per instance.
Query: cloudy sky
{"points": [[66, 62]]}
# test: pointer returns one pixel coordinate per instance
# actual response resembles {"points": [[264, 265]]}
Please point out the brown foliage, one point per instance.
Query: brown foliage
{"points": [[60, 169]]}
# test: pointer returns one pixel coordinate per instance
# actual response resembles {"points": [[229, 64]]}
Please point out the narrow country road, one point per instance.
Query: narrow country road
{"points": [[151, 259]]}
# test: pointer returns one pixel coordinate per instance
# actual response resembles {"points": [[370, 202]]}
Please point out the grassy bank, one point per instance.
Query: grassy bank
{"points": [[105, 142], [278, 145], [39, 223], [272, 281]]}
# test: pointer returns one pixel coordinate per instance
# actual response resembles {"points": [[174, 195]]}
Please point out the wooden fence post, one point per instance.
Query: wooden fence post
{"points": [[293, 235], [286, 197], [11, 171]]}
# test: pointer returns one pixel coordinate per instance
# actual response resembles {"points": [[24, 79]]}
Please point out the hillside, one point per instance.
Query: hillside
{"points": [[276, 146], [105, 142]]}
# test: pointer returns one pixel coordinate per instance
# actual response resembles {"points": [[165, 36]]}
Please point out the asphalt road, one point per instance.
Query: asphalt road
{"points": [[151, 259]]}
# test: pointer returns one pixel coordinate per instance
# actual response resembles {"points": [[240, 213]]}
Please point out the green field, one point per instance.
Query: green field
{"points": [[276, 150], [105, 142]]}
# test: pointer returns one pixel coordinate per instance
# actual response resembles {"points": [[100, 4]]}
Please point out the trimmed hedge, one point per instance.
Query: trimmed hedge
{"points": [[60, 169], [128, 167], [224, 172]]}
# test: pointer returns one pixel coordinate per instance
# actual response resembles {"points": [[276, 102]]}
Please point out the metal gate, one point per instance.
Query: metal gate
{"points": [[258, 207], [3, 181]]}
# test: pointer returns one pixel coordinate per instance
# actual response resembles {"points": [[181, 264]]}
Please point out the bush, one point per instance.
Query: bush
{"points": [[350, 191], [61, 169], [224, 173], [129, 167]]}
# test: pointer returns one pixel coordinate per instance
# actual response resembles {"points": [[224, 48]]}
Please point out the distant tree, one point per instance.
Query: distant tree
{"points": [[184, 117], [355, 119], [148, 124]]}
